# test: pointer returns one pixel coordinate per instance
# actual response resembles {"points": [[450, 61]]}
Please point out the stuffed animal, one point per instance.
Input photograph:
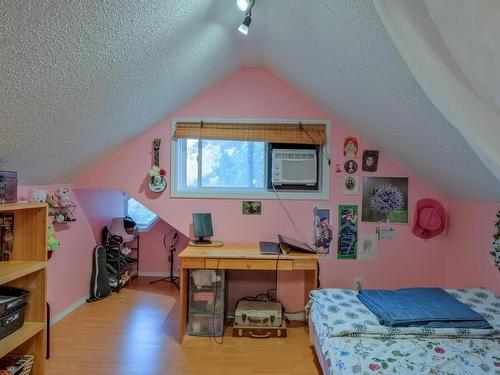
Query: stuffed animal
{"points": [[52, 242], [37, 195], [62, 197]]}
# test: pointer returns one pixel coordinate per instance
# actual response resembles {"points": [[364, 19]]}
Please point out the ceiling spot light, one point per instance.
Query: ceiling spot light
{"points": [[244, 26], [245, 5]]}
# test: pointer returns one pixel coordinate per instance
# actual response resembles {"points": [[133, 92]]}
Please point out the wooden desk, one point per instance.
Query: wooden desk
{"points": [[240, 257]]}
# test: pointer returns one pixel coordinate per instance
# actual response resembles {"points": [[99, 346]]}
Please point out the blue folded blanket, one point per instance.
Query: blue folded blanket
{"points": [[417, 307]]}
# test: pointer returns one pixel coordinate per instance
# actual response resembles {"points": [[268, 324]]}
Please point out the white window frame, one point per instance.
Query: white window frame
{"points": [[142, 228], [323, 192]]}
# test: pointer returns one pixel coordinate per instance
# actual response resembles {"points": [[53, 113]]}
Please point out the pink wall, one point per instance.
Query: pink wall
{"points": [[153, 258], [100, 206], [70, 266], [404, 261], [468, 262]]}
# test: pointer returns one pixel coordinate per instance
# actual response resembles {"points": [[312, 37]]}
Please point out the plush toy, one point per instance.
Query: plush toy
{"points": [[52, 242], [62, 197], [37, 195]]}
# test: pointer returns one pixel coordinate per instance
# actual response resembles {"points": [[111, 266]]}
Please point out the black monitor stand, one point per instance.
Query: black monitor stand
{"points": [[202, 240]]}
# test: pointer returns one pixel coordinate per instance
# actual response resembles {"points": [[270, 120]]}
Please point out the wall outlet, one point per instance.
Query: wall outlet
{"points": [[357, 283]]}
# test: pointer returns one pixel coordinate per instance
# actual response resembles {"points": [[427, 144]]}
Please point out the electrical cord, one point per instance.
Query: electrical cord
{"points": [[214, 337], [323, 151]]}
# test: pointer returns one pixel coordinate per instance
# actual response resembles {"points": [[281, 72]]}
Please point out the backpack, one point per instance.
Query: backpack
{"points": [[99, 280]]}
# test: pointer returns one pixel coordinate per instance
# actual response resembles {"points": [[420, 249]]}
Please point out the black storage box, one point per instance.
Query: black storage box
{"points": [[11, 299], [11, 322], [8, 187]]}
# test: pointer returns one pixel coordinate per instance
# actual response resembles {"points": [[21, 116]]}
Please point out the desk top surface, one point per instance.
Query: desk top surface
{"points": [[238, 251]]}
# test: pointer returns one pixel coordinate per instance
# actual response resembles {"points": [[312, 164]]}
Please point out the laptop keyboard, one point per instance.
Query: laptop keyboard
{"points": [[271, 248]]}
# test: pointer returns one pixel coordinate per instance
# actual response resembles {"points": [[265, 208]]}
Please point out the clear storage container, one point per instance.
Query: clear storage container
{"points": [[207, 280], [205, 325], [205, 301]]}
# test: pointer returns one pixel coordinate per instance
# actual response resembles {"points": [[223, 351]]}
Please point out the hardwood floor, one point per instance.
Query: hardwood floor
{"points": [[135, 332]]}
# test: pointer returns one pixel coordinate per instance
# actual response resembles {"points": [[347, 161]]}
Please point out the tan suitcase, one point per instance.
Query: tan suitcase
{"points": [[259, 332]]}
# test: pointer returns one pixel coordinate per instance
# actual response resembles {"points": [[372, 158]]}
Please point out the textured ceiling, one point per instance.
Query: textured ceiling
{"points": [[79, 79]]}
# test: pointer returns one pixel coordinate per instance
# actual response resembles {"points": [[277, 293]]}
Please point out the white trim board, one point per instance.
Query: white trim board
{"points": [[68, 310]]}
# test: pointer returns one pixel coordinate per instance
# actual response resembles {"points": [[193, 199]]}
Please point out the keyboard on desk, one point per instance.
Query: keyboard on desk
{"points": [[269, 248]]}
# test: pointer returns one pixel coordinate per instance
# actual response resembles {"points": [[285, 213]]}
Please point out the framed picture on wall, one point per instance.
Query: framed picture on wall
{"points": [[385, 200]]}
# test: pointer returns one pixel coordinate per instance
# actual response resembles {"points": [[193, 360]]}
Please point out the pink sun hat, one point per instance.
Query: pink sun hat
{"points": [[430, 219]]}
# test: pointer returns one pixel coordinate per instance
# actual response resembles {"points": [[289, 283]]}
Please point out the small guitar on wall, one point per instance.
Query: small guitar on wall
{"points": [[157, 181]]}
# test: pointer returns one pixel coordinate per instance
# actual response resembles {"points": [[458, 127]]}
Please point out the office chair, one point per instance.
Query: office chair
{"points": [[170, 243]]}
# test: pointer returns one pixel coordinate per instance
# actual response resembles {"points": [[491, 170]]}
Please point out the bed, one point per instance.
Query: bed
{"points": [[349, 340]]}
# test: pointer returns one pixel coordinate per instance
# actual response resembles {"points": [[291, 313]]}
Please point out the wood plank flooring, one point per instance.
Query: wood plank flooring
{"points": [[135, 332]]}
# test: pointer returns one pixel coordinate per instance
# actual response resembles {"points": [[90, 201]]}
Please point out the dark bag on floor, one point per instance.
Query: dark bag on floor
{"points": [[99, 280]]}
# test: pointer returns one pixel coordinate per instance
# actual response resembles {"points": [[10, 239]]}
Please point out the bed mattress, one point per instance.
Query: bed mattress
{"points": [[363, 351]]}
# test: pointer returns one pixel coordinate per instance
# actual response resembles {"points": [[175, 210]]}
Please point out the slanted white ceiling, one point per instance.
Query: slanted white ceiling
{"points": [[79, 79]]}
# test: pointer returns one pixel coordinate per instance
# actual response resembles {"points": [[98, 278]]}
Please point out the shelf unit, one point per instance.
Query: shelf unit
{"points": [[27, 270]]}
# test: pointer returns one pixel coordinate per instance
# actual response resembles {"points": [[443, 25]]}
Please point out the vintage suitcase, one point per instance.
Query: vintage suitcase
{"points": [[258, 314], [8, 187], [259, 332]]}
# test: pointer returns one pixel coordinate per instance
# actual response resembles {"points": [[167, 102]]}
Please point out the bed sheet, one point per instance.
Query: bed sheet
{"points": [[342, 314], [436, 356]]}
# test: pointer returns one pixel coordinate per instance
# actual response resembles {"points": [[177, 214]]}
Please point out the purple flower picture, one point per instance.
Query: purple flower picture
{"points": [[385, 200]]}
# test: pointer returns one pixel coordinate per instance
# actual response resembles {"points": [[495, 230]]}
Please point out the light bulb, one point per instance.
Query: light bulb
{"points": [[243, 5]]}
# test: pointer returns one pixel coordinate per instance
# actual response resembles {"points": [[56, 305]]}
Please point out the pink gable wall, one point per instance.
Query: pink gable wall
{"points": [[258, 94], [468, 262]]}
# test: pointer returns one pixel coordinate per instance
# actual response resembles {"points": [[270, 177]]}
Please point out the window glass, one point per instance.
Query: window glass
{"points": [[140, 214]]}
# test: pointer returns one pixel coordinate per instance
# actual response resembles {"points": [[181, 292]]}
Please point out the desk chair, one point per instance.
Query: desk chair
{"points": [[170, 243]]}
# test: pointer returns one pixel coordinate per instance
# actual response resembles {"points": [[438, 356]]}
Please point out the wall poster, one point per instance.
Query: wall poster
{"points": [[348, 232], [323, 234]]}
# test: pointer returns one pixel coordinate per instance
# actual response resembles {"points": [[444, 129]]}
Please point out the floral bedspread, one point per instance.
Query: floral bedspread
{"points": [[353, 355], [342, 314]]}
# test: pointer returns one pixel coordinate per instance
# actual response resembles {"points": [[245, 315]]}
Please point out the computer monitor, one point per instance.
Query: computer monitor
{"points": [[202, 224]]}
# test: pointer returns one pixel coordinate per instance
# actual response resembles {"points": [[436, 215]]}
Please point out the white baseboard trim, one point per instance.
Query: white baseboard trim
{"points": [[68, 310], [154, 274]]}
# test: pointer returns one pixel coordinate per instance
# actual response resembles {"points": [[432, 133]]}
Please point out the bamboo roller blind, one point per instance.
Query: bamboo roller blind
{"points": [[271, 132]]}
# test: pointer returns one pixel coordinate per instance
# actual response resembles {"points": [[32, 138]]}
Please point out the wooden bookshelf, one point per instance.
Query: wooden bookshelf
{"points": [[27, 270]]}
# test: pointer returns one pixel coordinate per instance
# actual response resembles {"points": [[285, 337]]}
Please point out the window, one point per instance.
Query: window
{"points": [[209, 164], [223, 167], [144, 218]]}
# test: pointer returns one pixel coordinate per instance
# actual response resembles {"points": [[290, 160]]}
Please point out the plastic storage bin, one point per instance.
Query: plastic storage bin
{"points": [[207, 280], [203, 302], [205, 325], [11, 299], [12, 321]]}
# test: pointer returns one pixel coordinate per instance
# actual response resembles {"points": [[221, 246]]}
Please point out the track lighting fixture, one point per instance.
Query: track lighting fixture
{"points": [[246, 7], [244, 26]]}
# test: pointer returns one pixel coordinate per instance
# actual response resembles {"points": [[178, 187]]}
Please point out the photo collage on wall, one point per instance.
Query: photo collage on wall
{"points": [[384, 200]]}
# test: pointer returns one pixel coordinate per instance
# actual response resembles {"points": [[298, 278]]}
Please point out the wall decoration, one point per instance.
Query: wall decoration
{"points": [[337, 169], [157, 175], [367, 246], [350, 166], [323, 234], [370, 161], [350, 185], [495, 244], [385, 200], [348, 232], [385, 233], [251, 208], [351, 146]]}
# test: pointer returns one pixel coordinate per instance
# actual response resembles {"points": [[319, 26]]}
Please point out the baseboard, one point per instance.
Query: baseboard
{"points": [[154, 274], [68, 310]]}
